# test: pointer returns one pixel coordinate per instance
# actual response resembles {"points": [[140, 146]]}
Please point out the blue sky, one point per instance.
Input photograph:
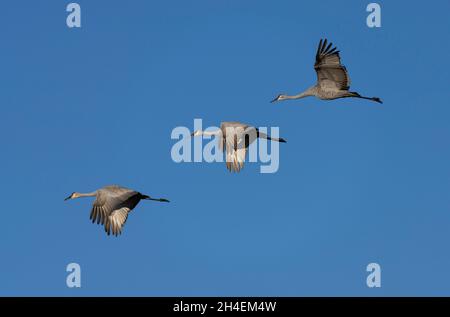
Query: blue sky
{"points": [[358, 182]]}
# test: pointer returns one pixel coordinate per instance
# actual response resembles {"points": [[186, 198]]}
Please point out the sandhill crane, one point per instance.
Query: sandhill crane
{"points": [[333, 81], [236, 137], [112, 205]]}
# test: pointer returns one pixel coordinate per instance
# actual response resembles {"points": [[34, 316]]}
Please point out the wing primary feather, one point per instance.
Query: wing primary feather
{"points": [[318, 50], [323, 45], [332, 50]]}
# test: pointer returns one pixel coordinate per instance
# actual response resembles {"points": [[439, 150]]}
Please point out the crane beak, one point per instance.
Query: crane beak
{"points": [[276, 99], [68, 198]]}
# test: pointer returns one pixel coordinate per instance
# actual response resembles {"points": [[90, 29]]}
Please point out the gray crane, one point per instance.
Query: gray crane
{"points": [[236, 137], [112, 205], [333, 81]]}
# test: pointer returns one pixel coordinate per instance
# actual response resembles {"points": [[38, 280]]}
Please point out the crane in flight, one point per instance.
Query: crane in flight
{"points": [[235, 138], [333, 81], [112, 205]]}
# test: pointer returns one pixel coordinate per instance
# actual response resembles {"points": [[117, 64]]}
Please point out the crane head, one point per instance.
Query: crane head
{"points": [[279, 98], [196, 133], [72, 196]]}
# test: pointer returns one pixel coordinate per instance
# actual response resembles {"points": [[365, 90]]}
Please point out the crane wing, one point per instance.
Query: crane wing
{"points": [[98, 213], [331, 74], [116, 221], [235, 158], [239, 158], [110, 199], [237, 140]]}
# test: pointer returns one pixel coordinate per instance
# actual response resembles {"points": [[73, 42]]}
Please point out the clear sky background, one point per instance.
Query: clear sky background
{"points": [[358, 182]]}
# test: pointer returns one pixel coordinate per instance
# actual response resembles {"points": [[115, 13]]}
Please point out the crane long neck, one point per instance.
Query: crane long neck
{"points": [[308, 92], [92, 194], [209, 133]]}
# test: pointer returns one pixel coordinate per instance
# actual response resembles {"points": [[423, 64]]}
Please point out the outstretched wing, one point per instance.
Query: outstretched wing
{"points": [[237, 139], [331, 74], [116, 221], [112, 206], [235, 157]]}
